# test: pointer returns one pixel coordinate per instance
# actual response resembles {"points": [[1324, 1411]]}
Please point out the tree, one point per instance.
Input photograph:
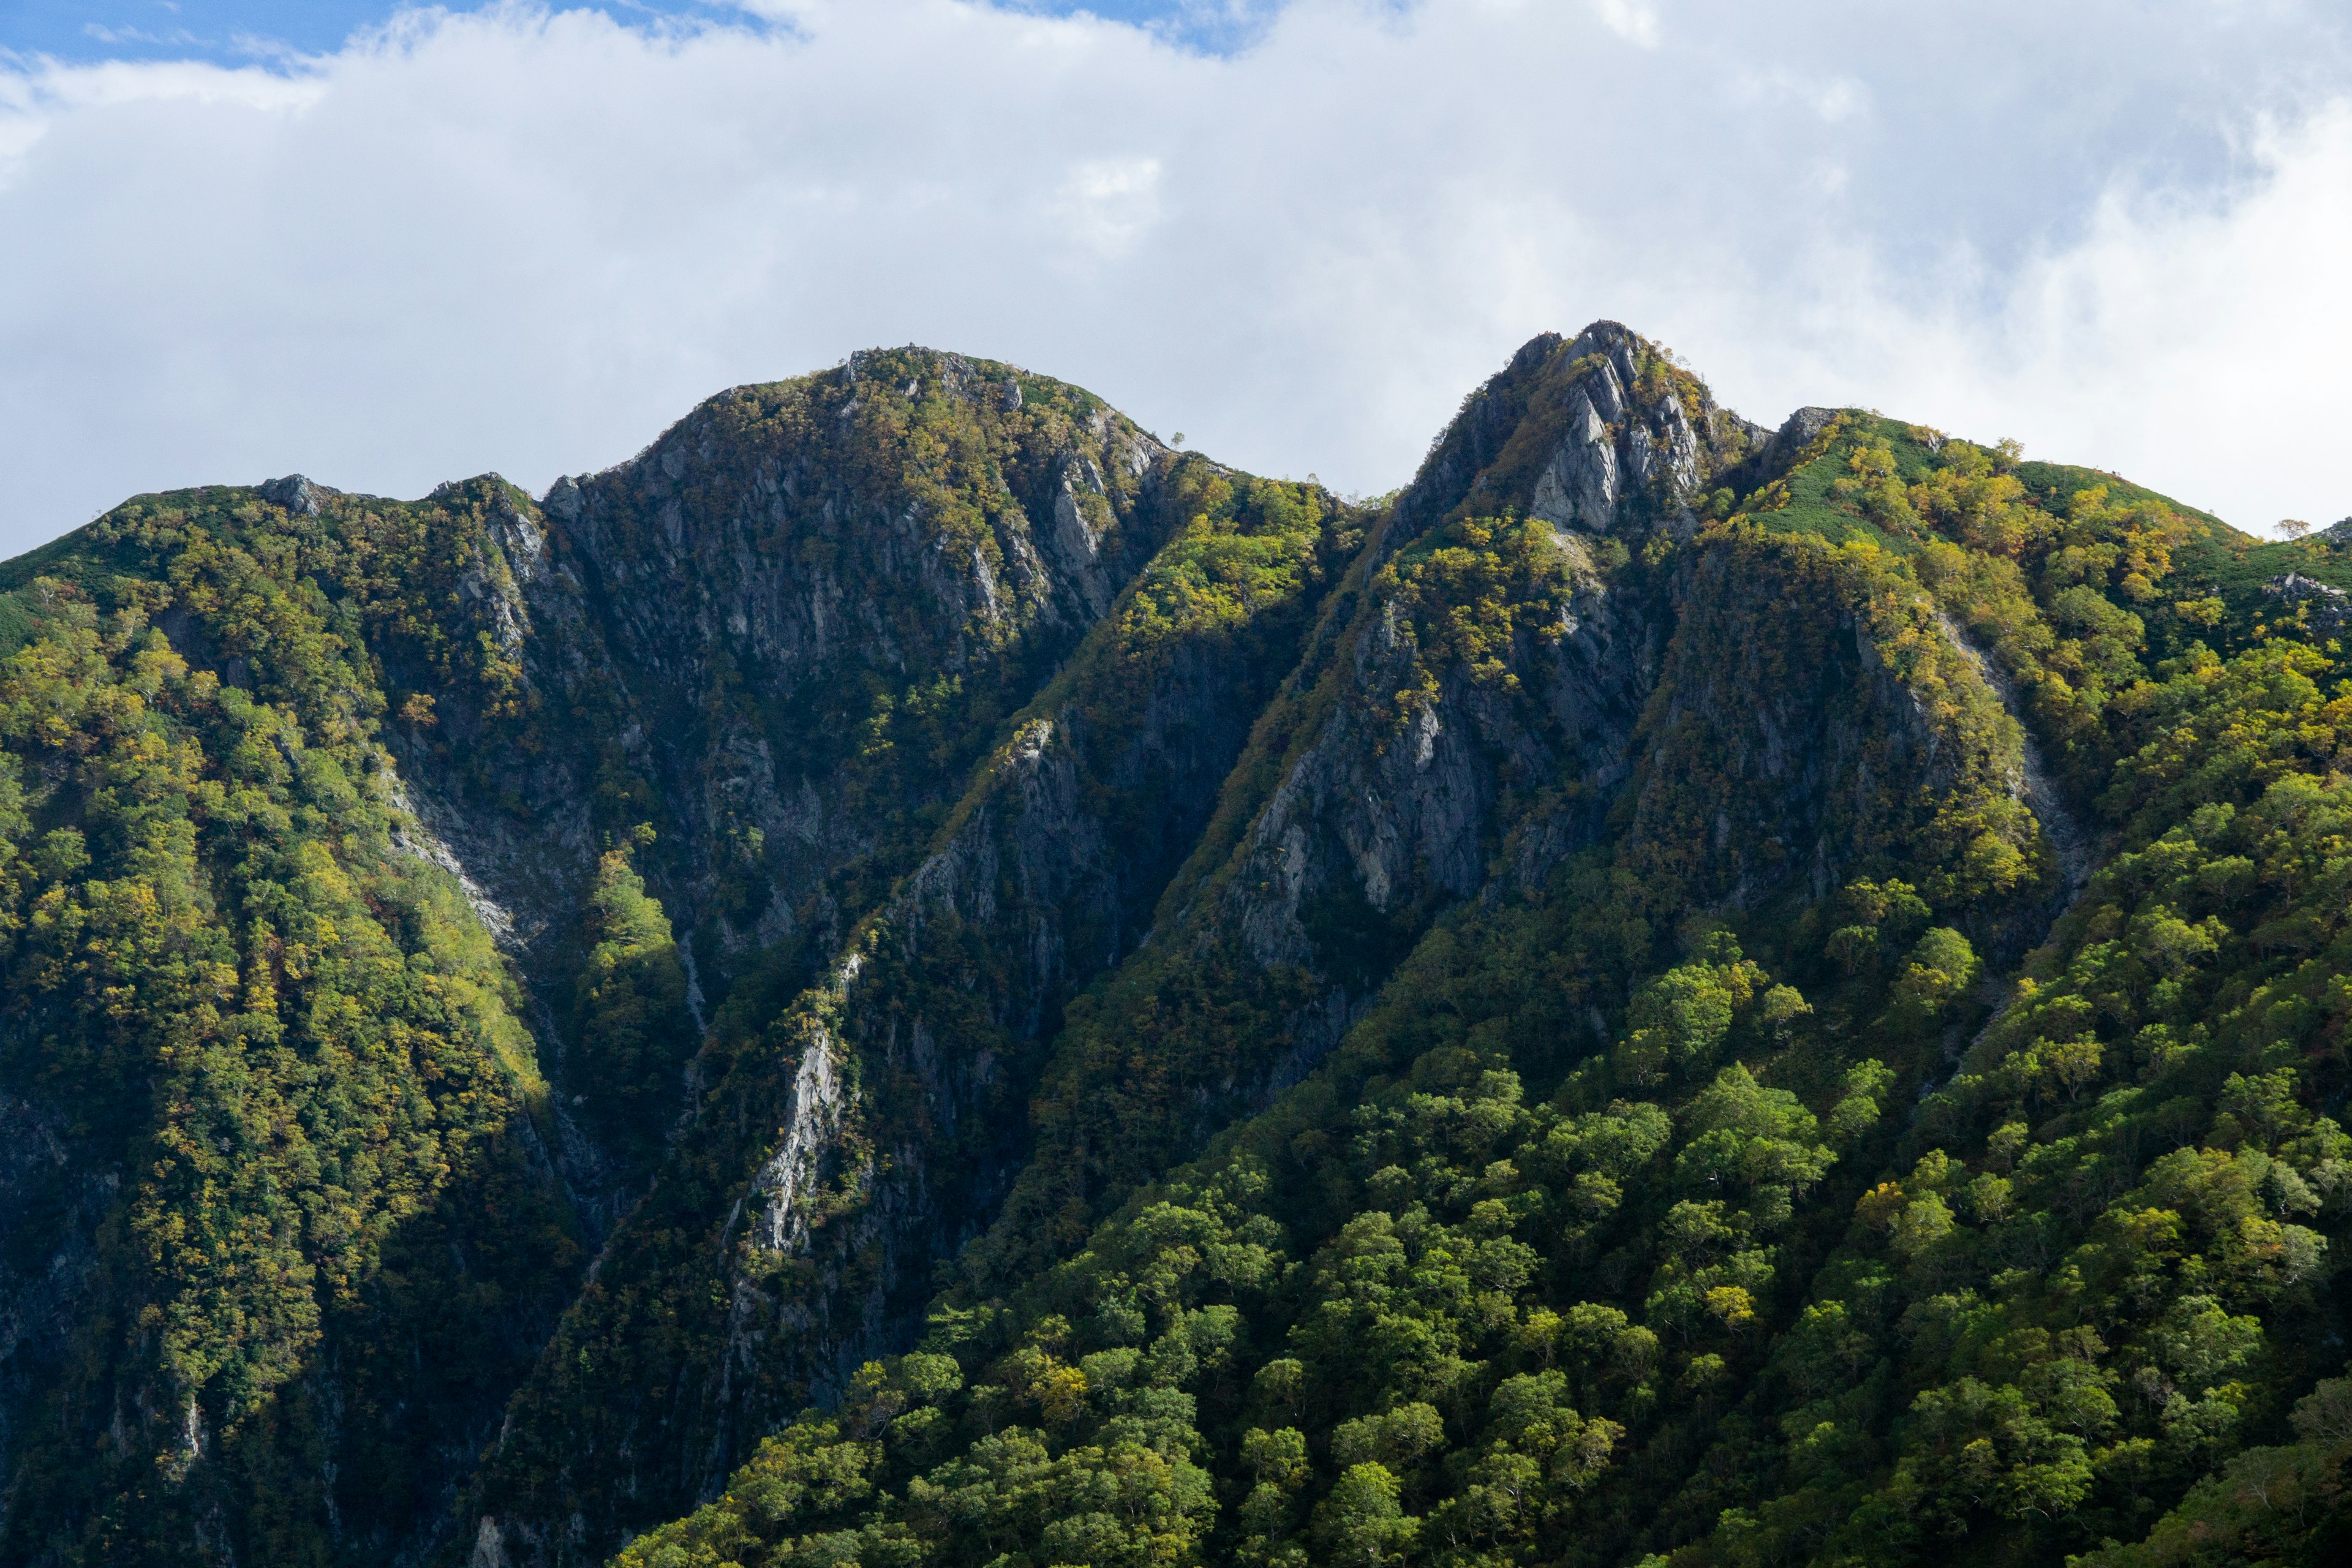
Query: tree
{"points": [[1361, 1524], [635, 1029]]}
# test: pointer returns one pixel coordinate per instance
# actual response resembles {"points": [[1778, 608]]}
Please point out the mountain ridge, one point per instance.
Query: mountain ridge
{"points": [[931, 826]]}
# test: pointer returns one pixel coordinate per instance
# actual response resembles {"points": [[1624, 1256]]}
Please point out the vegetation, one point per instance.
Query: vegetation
{"points": [[905, 457], [629, 1015], [1876, 1098], [292, 1045], [1686, 1283], [1206, 629]]}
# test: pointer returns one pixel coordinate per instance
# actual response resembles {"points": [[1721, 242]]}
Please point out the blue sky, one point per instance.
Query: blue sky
{"points": [[237, 32], [527, 238], [225, 31]]}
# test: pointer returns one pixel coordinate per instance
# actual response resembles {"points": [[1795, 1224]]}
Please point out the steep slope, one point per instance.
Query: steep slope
{"points": [[284, 764], [1645, 1216], [852, 1136], [1224, 946], [780, 638], [1478, 709], [1481, 681], [281, 1223]]}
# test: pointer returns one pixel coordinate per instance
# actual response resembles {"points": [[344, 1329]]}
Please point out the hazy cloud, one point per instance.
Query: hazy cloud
{"points": [[527, 240], [1110, 203]]}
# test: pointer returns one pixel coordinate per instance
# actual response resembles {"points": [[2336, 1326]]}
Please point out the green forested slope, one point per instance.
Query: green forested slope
{"points": [[291, 1209], [1475, 682], [1666, 1212], [1673, 993], [293, 1229]]}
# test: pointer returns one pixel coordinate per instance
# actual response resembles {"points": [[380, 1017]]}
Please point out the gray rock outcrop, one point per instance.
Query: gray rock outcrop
{"points": [[2326, 609]]}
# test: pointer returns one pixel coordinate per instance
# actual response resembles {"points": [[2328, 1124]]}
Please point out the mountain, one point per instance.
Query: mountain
{"points": [[915, 976]]}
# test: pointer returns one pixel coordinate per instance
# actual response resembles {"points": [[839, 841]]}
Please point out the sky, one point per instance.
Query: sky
{"points": [[389, 247], [239, 32]]}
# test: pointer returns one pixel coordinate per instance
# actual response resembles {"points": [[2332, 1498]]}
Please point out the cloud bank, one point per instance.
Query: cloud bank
{"points": [[527, 240]]}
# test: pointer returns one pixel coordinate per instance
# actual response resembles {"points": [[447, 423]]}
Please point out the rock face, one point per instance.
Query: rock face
{"points": [[1617, 451], [898, 1081], [1391, 815], [736, 551], [946, 997], [2037, 788], [295, 494], [2326, 609], [728, 637], [724, 601]]}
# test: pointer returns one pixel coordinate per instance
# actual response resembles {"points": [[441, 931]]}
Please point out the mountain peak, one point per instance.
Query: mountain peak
{"points": [[1601, 433]]}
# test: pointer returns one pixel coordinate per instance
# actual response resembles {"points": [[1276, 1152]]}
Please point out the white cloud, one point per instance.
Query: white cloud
{"points": [[2214, 337], [1635, 21], [1831, 99], [1110, 203], [527, 241], [178, 36]]}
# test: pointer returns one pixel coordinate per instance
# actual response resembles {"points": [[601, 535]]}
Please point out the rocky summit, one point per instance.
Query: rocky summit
{"points": [[913, 976]]}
